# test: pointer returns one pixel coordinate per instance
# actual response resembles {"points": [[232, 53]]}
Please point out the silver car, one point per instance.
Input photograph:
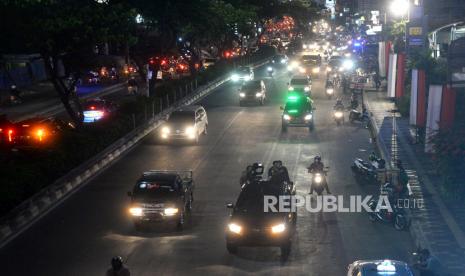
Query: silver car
{"points": [[187, 123]]}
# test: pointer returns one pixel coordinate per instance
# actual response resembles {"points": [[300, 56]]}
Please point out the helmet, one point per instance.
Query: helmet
{"points": [[257, 169], [317, 158], [339, 101], [278, 163], [117, 262]]}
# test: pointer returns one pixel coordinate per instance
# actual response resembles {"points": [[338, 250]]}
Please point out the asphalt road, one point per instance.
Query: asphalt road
{"points": [[81, 236]]}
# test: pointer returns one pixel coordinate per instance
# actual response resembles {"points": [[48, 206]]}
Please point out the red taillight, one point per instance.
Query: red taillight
{"points": [[92, 107], [163, 62]]}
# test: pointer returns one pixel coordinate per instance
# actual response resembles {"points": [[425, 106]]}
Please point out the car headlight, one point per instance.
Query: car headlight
{"points": [[170, 211], [283, 61], [294, 64], [307, 88], [290, 68], [234, 228], [341, 69], [269, 69], [329, 91], [328, 69], [235, 77], [136, 211], [338, 114], [302, 70], [189, 130], [258, 95], [165, 130], [279, 228], [308, 117], [242, 95], [316, 70], [286, 117], [304, 46], [291, 88], [318, 178], [247, 78]]}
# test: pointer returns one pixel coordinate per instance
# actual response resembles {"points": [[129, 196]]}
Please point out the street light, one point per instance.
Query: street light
{"points": [[400, 7]]}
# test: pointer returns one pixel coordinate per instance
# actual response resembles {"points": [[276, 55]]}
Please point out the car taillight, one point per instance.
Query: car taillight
{"points": [[40, 134], [10, 135]]}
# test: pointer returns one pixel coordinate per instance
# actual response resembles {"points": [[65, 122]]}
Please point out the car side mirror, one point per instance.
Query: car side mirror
{"points": [[129, 193], [230, 206], [282, 108]]}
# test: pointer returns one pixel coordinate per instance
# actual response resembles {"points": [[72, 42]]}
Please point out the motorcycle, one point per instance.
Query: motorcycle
{"points": [[355, 115], [329, 92], [365, 170], [338, 116], [318, 181], [396, 217], [270, 71]]}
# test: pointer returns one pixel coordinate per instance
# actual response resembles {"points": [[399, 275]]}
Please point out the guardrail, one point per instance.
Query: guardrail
{"points": [[31, 210]]}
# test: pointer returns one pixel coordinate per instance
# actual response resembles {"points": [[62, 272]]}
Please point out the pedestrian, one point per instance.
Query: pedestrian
{"points": [[377, 81], [429, 265]]}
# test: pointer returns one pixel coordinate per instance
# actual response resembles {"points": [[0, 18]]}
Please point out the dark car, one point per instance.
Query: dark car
{"points": [[6, 130], [35, 132], [249, 224], [162, 197], [298, 112], [97, 109], [253, 91], [280, 60]]}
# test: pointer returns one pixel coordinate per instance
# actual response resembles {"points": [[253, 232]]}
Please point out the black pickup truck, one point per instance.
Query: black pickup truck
{"points": [[250, 225], [162, 197]]}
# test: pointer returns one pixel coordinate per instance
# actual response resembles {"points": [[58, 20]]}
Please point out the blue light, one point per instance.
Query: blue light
{"points": [[357, 44]]}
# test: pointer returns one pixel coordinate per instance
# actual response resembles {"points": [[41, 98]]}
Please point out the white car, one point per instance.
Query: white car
{"points": [[300, 83], [187, 123], [379, 267], [242, 73]]}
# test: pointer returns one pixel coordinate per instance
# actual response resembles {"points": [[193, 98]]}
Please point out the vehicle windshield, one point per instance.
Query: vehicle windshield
{"points": [[153, 189], [182, 117], [310, 58], [251, 86], [243, 70], [296, 107], [299, 82]]}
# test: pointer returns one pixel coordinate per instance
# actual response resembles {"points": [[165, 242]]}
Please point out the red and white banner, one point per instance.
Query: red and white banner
{"points": [[382, 59], [434, 114], [418, 98], [447, 107], [400, 75], [392, 74]]}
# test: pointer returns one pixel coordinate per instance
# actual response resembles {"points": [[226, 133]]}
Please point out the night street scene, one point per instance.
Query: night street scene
{"points": [[232, 137]]}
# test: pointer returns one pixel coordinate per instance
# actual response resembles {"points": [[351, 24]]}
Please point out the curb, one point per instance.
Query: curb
{"points": [[40, 204]]}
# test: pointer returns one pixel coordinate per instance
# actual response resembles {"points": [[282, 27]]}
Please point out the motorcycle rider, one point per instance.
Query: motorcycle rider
{"points": [[353, 101], [118, 268], [428, 265], [401, 188], [246, 175], [15, 96], [318, 167], [132, 85], [279, 169], [339, 104]]}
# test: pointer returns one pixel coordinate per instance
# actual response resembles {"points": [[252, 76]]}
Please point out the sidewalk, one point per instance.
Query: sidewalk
{"points": [[439, 224], [41, 98]]}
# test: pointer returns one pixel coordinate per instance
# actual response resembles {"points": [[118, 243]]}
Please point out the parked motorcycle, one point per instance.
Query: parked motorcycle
{"points": [[397, 217], [364, 170], [355, 115]]}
